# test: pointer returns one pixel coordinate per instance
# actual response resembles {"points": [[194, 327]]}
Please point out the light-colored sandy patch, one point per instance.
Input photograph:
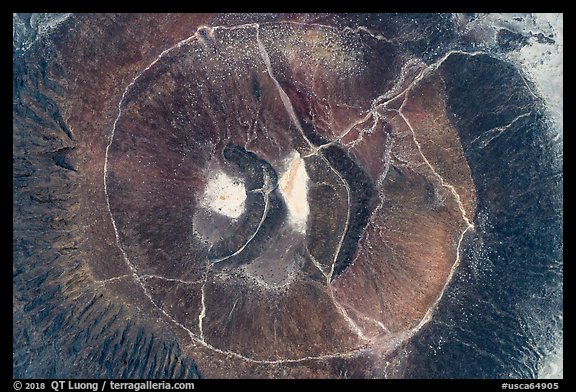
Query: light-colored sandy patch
{"points": [[225, 195], [294, 188]]}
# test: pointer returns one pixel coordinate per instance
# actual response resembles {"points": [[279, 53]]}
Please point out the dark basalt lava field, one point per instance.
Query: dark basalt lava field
{"points": [[282, 196]]}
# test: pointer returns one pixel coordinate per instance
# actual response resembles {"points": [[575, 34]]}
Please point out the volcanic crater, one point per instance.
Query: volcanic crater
{"points": [[240, 195], [342, 188]]}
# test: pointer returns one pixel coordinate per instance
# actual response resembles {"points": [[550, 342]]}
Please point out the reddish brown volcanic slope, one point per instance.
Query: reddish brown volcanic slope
{"points": [[162, 106]]}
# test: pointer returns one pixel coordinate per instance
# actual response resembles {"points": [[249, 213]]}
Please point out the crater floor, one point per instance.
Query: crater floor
{"points": [[249, 195]]}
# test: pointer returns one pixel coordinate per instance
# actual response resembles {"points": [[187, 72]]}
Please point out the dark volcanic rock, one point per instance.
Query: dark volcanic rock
{"points": [[361, 204], [286, 195], [510, 40]]}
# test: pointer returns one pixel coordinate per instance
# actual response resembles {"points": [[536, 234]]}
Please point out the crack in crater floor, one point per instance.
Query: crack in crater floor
{"points": [[140, 279]]}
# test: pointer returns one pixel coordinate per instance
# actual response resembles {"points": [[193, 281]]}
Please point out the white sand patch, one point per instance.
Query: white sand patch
{"points": [[294, 189], [225, 195], [552, 364]]}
